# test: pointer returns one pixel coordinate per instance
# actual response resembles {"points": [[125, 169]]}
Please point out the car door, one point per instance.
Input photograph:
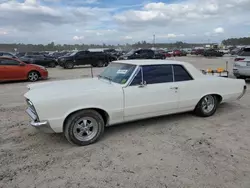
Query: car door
{"points": [[82, 58], [2, 71], [40, 60], [189, 89], [157, 96], [12, 70]]}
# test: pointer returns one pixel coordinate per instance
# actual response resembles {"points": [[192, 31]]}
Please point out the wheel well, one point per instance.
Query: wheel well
{"points": [[219, 97], [103, 113]]}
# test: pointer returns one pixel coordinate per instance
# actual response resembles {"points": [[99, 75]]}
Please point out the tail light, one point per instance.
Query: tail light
{"points": [[239, 59]]}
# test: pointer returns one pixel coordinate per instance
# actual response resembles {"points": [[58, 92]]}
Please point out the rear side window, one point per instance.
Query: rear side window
{"points": [[180, 74], [9, 62], [155, 74]]}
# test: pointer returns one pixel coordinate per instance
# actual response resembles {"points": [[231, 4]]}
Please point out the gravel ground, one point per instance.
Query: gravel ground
{"points": [[167, 152]]}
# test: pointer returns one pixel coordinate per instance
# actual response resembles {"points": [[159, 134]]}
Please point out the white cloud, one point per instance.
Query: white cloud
{"points": [[3, 32], [171, 35], [27, 21], [91, 1], [78, 37], [219, 30], [128, 37]]}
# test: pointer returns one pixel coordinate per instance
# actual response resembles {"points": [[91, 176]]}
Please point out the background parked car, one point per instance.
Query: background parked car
{"points": [[96, 59], [14, 69], [143, 54], [212, 53], [241, 68], [7, 54], [225, 51], [176, 53], [197, 52], [40, 60], [235, 51]]}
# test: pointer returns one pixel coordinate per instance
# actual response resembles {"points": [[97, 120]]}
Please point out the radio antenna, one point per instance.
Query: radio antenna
{"points": [[91, 69]]}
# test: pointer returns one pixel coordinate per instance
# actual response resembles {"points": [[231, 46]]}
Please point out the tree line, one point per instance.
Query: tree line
{"points": [[236, 41], [58, 47], [141, 44]]}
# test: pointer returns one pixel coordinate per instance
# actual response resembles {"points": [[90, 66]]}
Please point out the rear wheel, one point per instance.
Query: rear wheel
{"points": [[207, 106], [33, 76], [84, 127], [100, 63], [241, 77], [69, 65], [52, 64]]}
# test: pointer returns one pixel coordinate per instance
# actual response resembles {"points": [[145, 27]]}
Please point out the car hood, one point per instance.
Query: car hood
{"points": [[56, 89]]}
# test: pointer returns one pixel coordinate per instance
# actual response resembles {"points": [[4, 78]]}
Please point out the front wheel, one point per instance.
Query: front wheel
{"points": [[207, 106], [33, 76], [69, 65], [84, 127], [52, 64]]}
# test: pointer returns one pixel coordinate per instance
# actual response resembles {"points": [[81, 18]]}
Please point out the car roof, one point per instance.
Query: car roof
{"points": [[194, 71], [150, 62], [2, 57]]}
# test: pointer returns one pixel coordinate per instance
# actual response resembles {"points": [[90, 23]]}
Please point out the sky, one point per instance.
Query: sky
{"points": [[122, 21]]}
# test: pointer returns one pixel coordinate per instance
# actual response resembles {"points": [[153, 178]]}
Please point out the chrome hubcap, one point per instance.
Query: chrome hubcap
{"points": [[33, 76], [208, 104], [85, 129]]}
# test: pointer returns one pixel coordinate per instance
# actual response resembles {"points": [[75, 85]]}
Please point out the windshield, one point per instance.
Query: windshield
{"points": [[118, 72], [71, 54], [130, 52]]}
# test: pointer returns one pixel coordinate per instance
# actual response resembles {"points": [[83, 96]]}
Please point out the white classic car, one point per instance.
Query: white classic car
{"points": [[126, 90]]}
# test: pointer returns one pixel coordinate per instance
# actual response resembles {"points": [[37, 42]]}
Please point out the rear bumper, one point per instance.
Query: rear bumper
{"points": [[241, 72], [243, 93]]}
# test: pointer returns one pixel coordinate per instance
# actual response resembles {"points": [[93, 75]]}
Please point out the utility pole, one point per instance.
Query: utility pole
{"points": [[153, 41]]}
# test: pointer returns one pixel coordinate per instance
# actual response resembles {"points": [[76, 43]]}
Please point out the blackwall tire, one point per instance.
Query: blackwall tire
{"points": [[207, 106], [69, 65], [84, 127], [52, 64]]}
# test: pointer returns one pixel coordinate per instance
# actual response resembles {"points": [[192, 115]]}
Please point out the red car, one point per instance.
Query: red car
{"points": [[177, 53], [14, 69]]}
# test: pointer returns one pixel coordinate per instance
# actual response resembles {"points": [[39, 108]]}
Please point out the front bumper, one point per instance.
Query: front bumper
{"points": [[44, 75], [43, 126]]}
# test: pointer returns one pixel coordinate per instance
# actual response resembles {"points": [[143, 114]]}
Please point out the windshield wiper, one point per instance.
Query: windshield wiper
{"points": [[105, 77]]}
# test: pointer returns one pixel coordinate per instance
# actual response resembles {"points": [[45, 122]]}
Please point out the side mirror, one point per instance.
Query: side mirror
{"points": [[22, 64], [142, 84]]}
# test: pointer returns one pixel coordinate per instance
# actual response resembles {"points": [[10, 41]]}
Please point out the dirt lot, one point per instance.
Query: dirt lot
{"points": [[172, 151]]}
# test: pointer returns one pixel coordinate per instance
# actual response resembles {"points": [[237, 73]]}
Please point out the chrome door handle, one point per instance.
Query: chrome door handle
{"points": [[174, 88]]}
